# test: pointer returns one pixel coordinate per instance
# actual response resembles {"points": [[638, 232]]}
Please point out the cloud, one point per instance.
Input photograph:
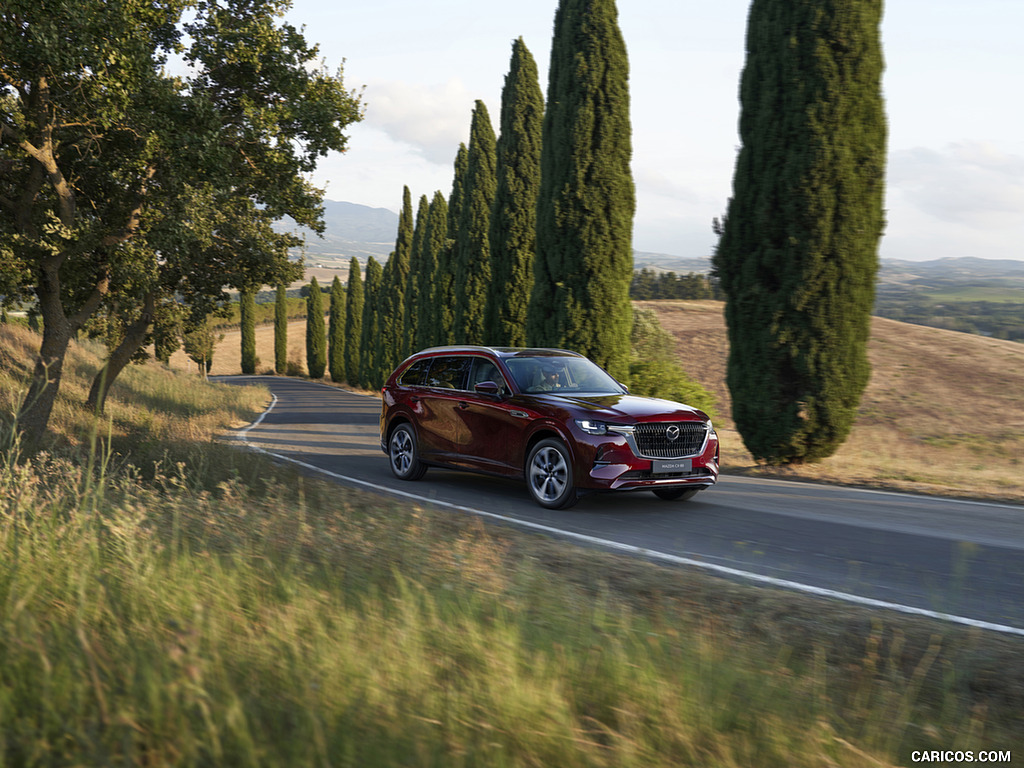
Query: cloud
{"points": [[969, 183], [430, 119]]}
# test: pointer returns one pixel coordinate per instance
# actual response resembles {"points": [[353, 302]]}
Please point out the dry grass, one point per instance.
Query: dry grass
{"points": [[943, 412], [234, 610]]}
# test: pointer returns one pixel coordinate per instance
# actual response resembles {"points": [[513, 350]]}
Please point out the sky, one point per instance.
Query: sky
{"points": [[955, 182]]}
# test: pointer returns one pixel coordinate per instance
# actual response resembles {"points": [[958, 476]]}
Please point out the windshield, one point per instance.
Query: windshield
{"points": [[561, 375]]}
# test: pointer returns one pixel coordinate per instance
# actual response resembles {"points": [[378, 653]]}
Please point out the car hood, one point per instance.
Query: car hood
{"points": [[623, 409]]}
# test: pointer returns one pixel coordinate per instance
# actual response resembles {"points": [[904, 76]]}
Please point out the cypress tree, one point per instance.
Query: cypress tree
{"points": [[316, 337], [391, 305], [412, 290], [353, 322], [281, 330], [247, 312], [586, 202], [435, 240], [446, 264], [368, 342], [798, 251], [513, 232], [455, 199], [472, 240], [336, 332]]}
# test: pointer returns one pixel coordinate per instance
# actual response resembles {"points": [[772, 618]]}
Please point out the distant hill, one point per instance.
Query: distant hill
{"points": [[352, 230], [361, 231]]}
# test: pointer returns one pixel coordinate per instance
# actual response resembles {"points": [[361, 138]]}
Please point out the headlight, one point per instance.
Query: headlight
{"points": [[711, 427], [592, 427]]}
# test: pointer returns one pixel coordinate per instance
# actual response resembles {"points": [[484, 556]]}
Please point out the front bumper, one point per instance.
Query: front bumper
{"points": [[610, 463]]}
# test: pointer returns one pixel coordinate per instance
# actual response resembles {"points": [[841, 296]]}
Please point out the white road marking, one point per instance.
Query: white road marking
{"points": [[634, 550]]}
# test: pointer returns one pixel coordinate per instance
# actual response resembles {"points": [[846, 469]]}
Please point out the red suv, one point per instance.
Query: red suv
{"points": [[547, 415]]}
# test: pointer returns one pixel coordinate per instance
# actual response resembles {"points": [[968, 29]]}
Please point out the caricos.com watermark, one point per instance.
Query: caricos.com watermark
{"points": [[960, 756]]}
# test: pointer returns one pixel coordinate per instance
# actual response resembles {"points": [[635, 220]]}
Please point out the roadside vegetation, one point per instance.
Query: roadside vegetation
{"points": [[167, 599]]}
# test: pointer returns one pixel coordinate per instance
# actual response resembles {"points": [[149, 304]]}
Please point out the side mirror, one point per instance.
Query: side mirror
{"points": [[487, 388]]}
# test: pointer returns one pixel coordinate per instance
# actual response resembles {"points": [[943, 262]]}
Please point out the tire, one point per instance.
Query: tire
{"points": [[402, 454], [675, 494], [549, 475]]}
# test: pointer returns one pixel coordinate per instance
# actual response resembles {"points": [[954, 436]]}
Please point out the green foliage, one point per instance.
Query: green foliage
{"points": [[648, 284], [167, 329], [798, 251], [146, 183], [369, 356], [281, 330], [447, 264], [392, 306], [586, 203], [472, 238], [336, 332], [417, 279], [513, 233], [200, 342], [248, 308], [354, 302], [654, 368], [316, 336], [434, 278]]}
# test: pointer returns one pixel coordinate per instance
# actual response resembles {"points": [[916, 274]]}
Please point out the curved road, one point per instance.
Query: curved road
{"points": [[959, 559]]}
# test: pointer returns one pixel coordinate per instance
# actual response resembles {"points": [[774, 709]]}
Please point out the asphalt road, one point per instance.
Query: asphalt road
{"points": [[961, 559]]}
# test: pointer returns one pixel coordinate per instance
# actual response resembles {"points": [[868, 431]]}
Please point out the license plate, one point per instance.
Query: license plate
{"points": [[671, 466]]}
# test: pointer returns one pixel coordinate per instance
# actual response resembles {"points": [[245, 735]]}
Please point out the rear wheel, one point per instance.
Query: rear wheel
{"points": [[402, 454], [675, 494], [549, 475]]}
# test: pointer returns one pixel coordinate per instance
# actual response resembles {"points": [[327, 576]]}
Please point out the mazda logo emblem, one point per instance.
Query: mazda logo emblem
{"points": [[672, 433]]}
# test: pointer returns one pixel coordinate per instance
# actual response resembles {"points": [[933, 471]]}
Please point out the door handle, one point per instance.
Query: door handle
{"points": [[463, 405]]}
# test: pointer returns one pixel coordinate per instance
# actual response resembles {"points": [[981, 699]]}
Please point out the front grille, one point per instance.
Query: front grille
{"points": [[652, 439]]}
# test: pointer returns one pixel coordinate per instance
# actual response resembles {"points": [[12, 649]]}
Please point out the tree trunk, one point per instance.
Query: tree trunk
{"points": [[58, 328], [134, 338], [34, 414]]}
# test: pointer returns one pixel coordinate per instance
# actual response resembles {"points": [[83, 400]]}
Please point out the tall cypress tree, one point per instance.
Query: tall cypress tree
{"points": [[435, 241], [353, 322], [513, 232], [586, 202], [798, 251], [472, 240], [368, 352], [316, 336], [392, 301], [446, 265], [247, 313], [281, 330], [412, 290], [336, 332]]}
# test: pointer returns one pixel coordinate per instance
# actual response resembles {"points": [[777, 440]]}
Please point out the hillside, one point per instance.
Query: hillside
{"points": [[943, 412]]}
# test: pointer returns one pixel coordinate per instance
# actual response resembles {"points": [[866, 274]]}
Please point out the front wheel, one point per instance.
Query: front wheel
{"points": [[402, 454], [549, 475], [675, 494]]}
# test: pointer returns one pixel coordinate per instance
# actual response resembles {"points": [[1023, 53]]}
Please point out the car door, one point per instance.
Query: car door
{"points": [[489, 422], [437, 417]]}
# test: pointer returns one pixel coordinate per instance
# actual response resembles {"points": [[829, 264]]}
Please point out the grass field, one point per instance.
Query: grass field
{"points": [[168, 600]]}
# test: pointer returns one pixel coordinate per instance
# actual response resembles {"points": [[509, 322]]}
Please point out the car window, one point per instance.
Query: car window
{"points": [[448, 373], [567, 375], [486, 370], [416, 373]]}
